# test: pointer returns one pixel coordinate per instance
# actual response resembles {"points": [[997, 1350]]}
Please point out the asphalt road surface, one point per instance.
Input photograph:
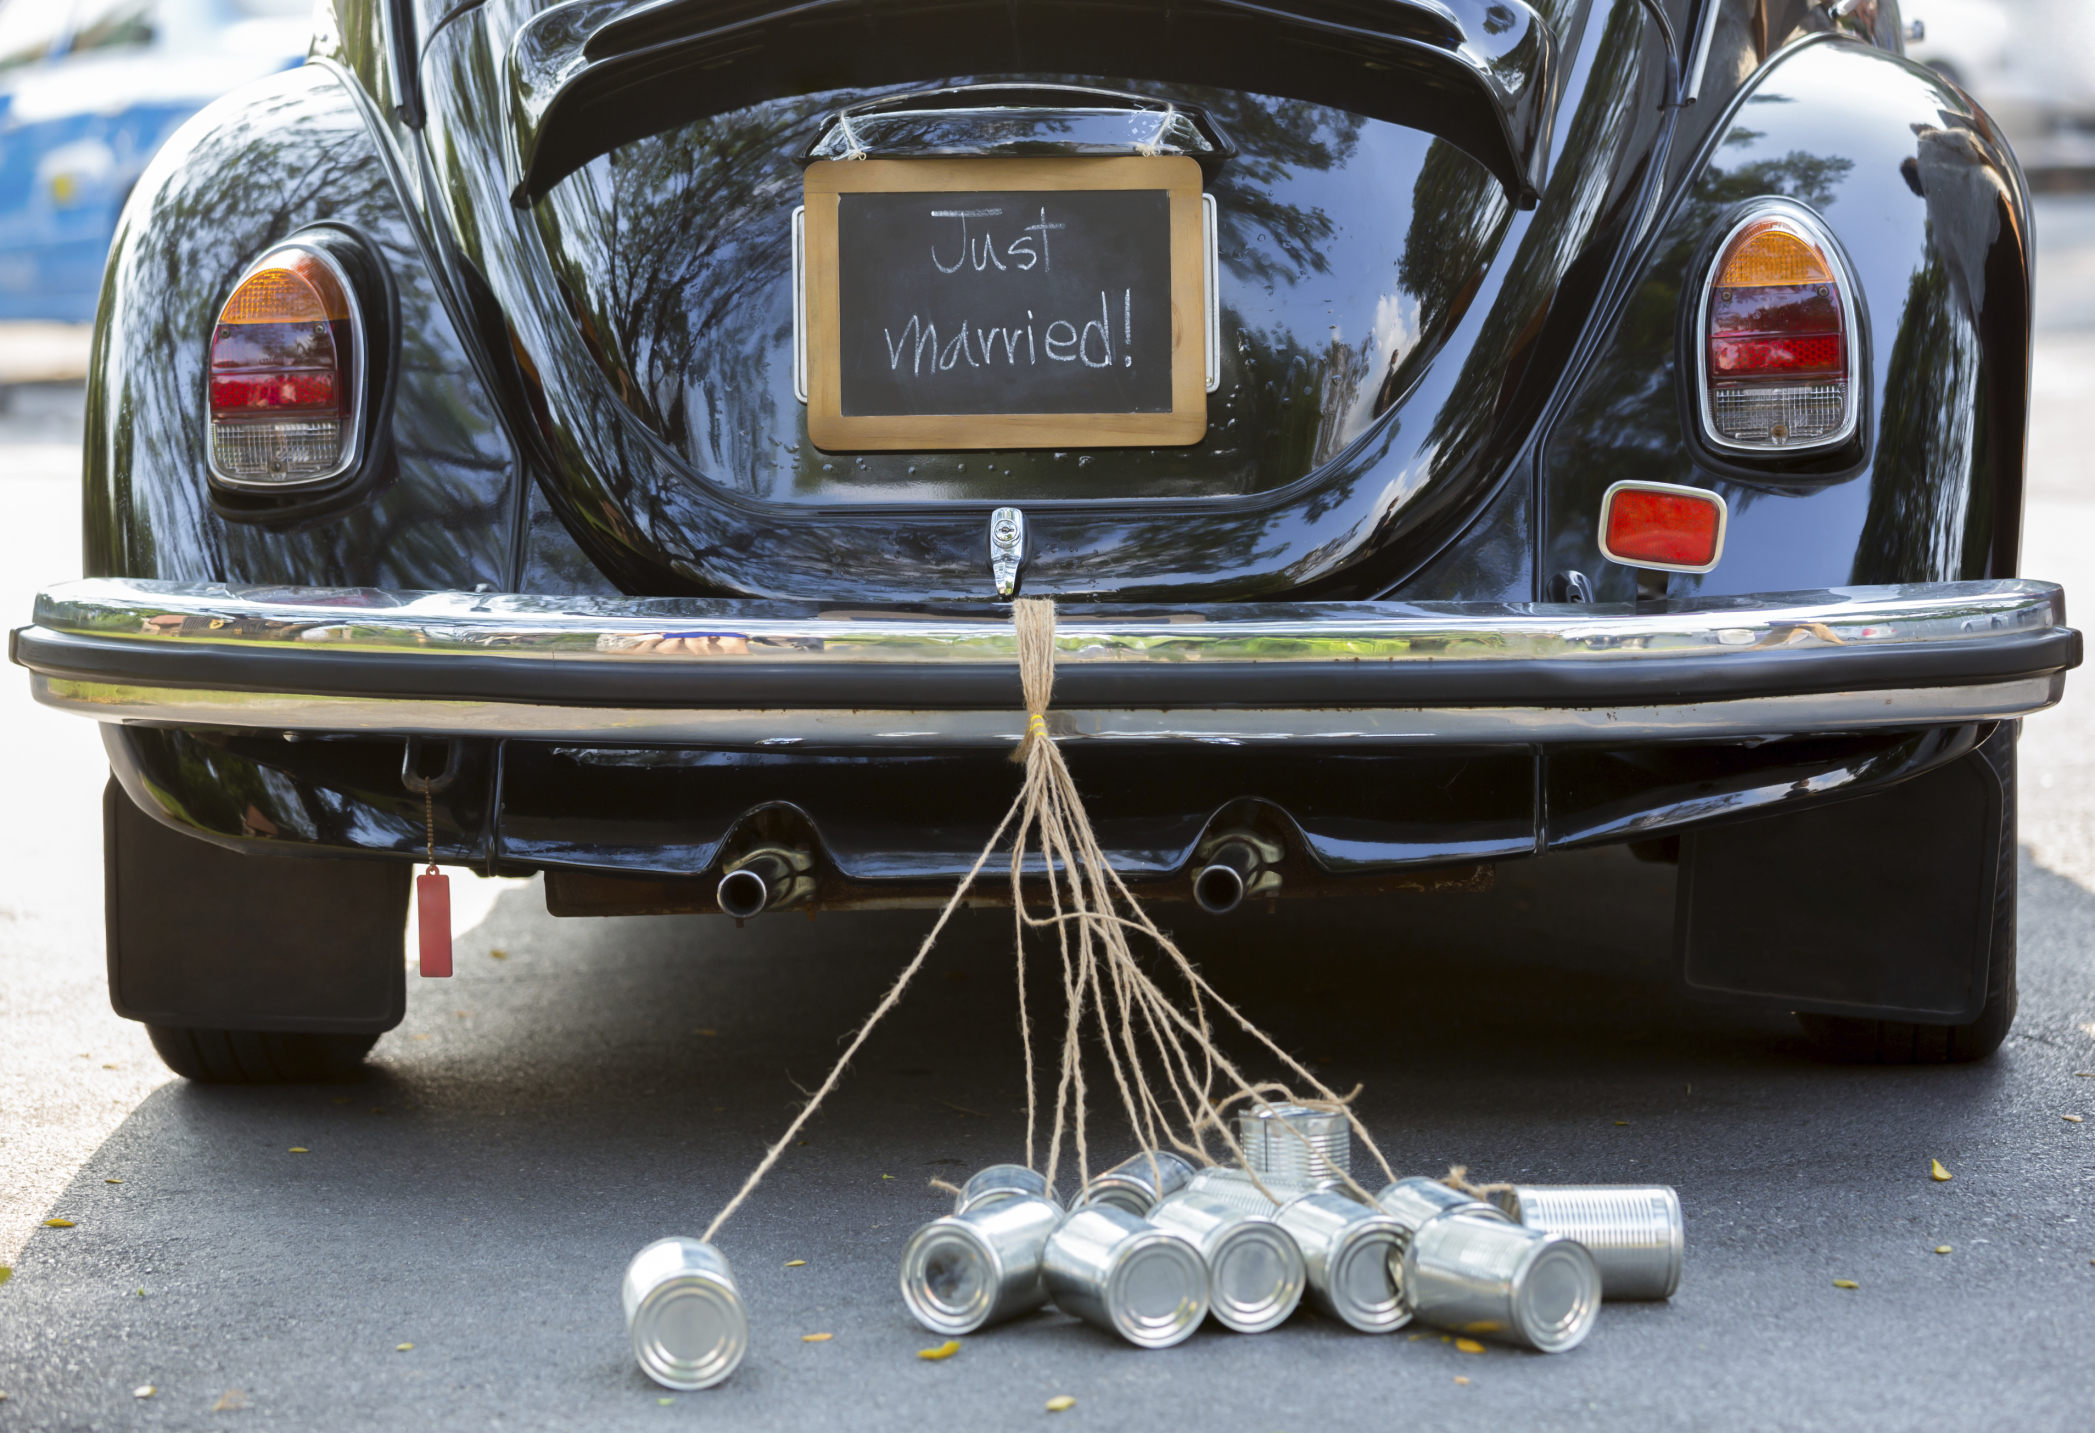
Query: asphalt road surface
{"points": [[583, 1087]]}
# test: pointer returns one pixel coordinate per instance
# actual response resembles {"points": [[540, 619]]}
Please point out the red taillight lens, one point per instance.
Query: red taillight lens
{"points": [[1776, 365], [283, 399], [1659, 525]]}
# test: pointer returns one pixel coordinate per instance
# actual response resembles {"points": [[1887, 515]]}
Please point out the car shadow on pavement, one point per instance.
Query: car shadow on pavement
{"points": [[582, 1087]]}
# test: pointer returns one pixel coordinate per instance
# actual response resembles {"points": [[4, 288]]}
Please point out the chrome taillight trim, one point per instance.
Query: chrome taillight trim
{"points": [[357, 371], [1607, 504], [1809, 226]]}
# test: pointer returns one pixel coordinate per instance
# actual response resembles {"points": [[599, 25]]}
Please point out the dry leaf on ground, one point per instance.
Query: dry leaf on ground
{"points": [[5, 1273], [1846, 1284], [944, 1350], [1938, 1173], [56, 1223], [1942, 1248], [498, 955], [795, 1263], [230, 1401], [402, 1347], [1469, 1345], [299, 1149], [112, 1181], [2071, 1119], [1061, 1403], [1460, 1379], [816, 1337]]}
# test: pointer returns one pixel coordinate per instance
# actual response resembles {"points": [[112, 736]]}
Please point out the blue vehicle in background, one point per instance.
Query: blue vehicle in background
{"points": [[89, 90]]}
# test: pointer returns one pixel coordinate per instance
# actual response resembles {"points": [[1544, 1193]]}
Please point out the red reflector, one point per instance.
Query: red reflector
{"points": [[272, 392], [1658, 525], [1818, 353]]}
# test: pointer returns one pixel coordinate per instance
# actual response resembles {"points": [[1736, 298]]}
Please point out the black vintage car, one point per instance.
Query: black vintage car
{"points": [[611, 432]]}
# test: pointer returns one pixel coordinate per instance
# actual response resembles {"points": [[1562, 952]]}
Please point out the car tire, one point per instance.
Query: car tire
{"points": [[260, 1057], [1852, 1041]]}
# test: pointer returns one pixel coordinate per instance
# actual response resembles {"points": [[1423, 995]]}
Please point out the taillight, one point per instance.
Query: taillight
{"points": [[285, 365], [1777, 339], [1662, 526]]}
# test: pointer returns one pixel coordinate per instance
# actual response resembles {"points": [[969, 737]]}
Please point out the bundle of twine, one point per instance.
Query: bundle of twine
{"points": [[1163, 1056]]}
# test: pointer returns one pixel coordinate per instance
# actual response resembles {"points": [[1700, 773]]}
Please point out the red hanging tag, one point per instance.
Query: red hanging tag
{"points": [[433, 901]]}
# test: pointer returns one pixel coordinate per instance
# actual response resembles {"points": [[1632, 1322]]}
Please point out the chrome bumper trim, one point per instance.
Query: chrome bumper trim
{"points": [[704, 726], [742, 673]]}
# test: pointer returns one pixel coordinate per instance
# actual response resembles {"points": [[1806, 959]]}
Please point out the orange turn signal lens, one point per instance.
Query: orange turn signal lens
{"points": [[1662, 526], [1766, 255]]}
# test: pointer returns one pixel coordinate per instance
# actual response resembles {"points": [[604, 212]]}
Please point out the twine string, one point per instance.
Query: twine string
{"points": [[1141, 1027]]}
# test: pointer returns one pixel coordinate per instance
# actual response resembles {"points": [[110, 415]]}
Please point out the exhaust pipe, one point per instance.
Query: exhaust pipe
{"points": [[1218, 888], [753, 886]]}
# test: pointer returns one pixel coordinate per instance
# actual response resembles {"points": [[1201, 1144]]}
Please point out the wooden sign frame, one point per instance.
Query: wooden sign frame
{"points": [[829, 427]]}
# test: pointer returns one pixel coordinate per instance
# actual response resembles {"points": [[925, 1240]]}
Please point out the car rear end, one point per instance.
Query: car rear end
{"points": [[1598, 423]]}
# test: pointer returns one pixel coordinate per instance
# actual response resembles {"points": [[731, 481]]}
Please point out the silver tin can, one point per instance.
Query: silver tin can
{"points": [[1000, 1182], [1485, 1275], [1255, 1272], [1634, 1231], [1353, 1257], [1413, 1202], [1107, 1267], [1290, 1142], [1137, 1184], [1235, 1189], [966, 1271], [685, 1314]]}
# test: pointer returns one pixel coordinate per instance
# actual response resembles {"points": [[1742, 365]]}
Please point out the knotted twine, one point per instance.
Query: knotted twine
{"points": [[1142, 1030]]}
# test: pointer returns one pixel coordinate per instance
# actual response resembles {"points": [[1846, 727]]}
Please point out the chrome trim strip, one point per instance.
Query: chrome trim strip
{"points": [[800, 302], [1757, 716], [698, 633], [1698, 59], [1210, 267]]}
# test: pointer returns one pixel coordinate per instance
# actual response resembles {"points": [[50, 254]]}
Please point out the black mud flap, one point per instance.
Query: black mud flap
{"points": [[206, 938], [1881, 906]]}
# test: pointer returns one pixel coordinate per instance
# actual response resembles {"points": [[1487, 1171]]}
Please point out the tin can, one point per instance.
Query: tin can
{"points": [[1137, 1184], [1290, 1142], [684, 1313], [966, 1271], [1107, 1267], [1255, 1272], [1634, 1231], [1485, 1275], [1415, 1201], [1353, 1257], [1000, 1182], [1234, 1187]]}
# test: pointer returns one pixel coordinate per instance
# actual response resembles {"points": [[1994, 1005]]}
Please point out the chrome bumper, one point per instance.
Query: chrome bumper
{"points": [[748, 673]]}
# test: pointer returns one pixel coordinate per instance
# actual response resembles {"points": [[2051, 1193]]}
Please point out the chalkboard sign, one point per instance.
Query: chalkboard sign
{"points": [[1004, 303]]}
